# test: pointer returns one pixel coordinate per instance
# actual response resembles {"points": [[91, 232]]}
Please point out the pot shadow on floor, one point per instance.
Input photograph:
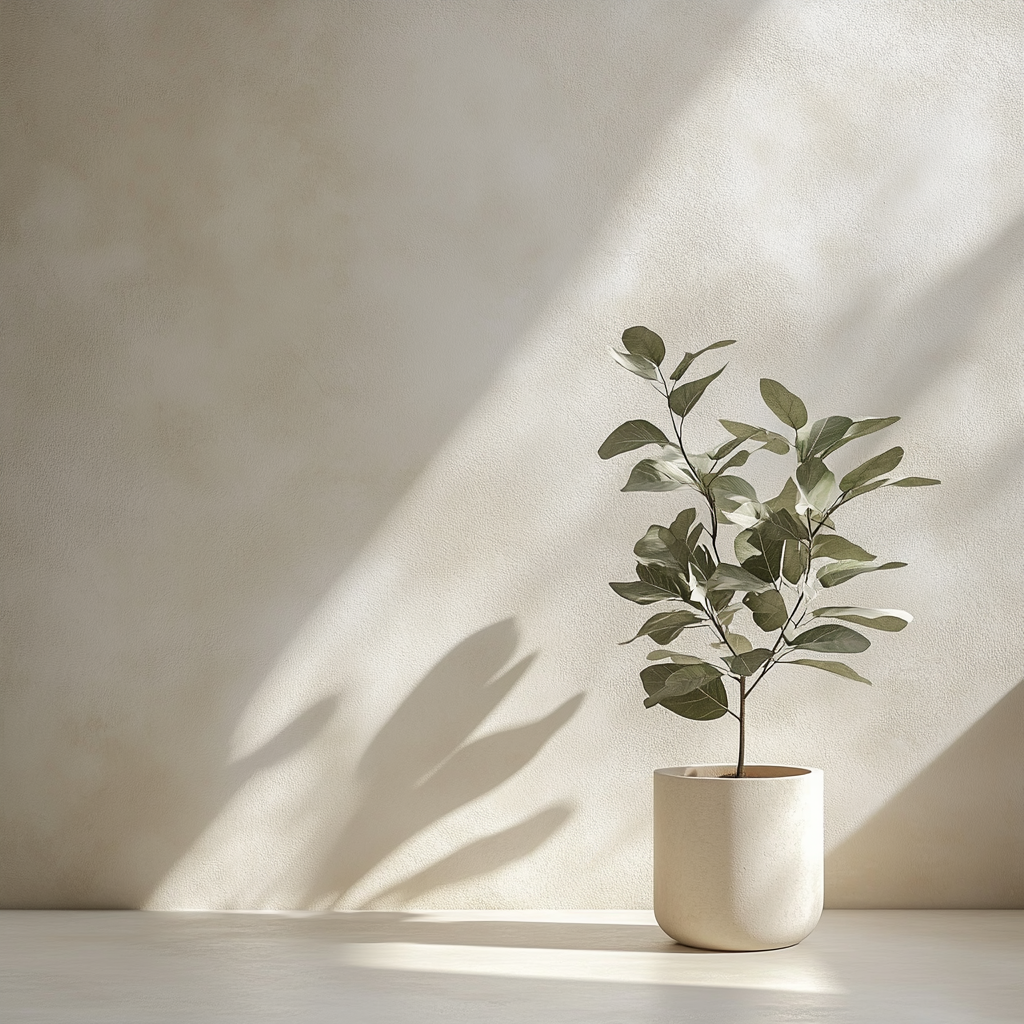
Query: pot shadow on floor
{"points": [[422, 765], [954, 837]]}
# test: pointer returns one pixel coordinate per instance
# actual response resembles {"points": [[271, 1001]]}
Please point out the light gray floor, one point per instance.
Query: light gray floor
{"points": [[529, 967]]}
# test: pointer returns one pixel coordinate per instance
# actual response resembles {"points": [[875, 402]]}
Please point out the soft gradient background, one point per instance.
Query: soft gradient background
{"points": [[305, 543]]}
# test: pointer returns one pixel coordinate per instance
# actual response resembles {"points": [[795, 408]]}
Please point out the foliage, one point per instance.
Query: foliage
{"points": [[786, 549]]}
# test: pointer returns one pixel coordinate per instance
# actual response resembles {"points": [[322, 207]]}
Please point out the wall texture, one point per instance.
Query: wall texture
{"points": [[304, 539]]}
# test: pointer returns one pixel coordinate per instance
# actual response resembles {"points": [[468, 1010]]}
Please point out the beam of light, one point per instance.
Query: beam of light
{"points": [[761, 971]]}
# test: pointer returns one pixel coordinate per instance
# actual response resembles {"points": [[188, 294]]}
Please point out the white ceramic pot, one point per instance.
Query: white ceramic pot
{"points": [[738, 863]]}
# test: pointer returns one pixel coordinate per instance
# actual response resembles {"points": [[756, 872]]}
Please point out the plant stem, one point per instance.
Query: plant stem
{"points": [[743, 727]]}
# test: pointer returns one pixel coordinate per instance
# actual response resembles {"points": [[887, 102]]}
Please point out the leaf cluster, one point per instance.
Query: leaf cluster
{"points": [[786, 549]]}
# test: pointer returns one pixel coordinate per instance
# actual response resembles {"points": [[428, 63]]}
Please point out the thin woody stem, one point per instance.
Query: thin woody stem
{"points": [[743, 728]]}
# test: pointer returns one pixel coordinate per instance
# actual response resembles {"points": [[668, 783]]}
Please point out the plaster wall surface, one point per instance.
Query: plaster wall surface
{"points": [[305, 541]]}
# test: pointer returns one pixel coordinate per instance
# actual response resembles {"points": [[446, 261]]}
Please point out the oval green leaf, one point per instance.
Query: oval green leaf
{"points": [[817, 484], [892, 620], [861, 428], [831, 545], [783, 403], [769, 610], [826, 432], [640, 341], [631, 435], [747, 664], [687, 359], [839, 572], [913, 481], [685, 396], [831, 638], [734, 577], [877, 466], [654, 475], [835, 667], [664, 627], [704, 702], [639, 365]]}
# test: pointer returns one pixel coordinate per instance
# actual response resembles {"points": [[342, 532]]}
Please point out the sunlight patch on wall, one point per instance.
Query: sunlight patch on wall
{"points": [[803, 205]]}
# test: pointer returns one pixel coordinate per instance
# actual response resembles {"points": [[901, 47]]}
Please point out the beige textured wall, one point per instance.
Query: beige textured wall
{"points": [[304, 538]]}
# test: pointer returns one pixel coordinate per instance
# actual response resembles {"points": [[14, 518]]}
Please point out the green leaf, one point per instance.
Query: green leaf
{"points": [[794, 560], [785, 499], [642, 593], [766, 562], [742, 547], [733, 577], [861, 428], [664, 627], [877, 466], [864, 488], [741, 431], [835, 667], [685, 396], [682, 523], [744, 431], [663, 578], [652, 549], [824, 433], [677, 681], [690, 356], [747, 664], [705, 703], [676, 657], [783, 403], [634, 434], [654, 475], [723, 449], [731, 491], [738, 459], [635, 364], [817, 484], [702, 705], [654, 585], [702, 563], [913, 481], [729, 611], [769, 610], [832, 546], [892, 620], [776, 444], [831, 638], [639, 341], [746, 515], [787, 523], [735, 642], [839, 572]]}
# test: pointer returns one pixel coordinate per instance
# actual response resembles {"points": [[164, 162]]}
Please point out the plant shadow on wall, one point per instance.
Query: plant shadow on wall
{"points": [[201, 437], [422, 765]]}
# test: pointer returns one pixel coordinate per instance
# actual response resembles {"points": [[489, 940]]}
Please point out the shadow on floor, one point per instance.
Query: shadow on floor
{"points": [[951, 822]]}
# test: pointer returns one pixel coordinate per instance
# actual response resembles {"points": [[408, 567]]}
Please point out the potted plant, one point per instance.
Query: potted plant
{"points": [[738, 849]]}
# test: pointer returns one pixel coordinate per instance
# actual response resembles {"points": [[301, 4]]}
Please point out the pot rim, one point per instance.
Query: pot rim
{"points": [[793, 772]]}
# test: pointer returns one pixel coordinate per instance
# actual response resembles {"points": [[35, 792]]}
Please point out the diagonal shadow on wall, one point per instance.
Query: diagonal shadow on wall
{"points": [[262, 265], [950, 822], [919, 342], [422, 765]]}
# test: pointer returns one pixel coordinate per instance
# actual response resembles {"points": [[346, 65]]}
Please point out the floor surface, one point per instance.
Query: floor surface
{"points": [[927, 966]]}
